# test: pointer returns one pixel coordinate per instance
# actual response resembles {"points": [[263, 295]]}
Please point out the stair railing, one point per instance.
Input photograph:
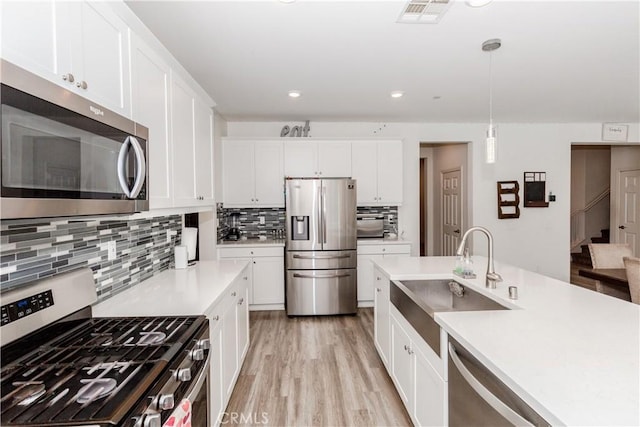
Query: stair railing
{"points": [[579, 222]]}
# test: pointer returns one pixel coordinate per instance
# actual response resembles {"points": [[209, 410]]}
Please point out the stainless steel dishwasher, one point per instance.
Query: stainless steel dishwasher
{"points": [[479, 398]]}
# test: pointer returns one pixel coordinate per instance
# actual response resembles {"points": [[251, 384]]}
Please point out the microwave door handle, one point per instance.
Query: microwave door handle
{"points": [[122, 160], [140, 167]]}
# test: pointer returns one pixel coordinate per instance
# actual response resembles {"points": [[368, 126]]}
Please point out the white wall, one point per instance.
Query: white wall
{"points": [[539, 239]]}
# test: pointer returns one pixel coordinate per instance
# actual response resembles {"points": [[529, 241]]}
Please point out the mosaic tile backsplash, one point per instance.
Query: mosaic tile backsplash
{"points": [[33, 249], [275, 219]]}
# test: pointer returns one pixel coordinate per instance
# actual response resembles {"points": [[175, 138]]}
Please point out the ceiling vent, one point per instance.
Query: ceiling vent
{"points": [[423, 11]]}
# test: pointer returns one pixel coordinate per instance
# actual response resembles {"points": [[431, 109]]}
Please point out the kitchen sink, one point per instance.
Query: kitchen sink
{"points": [[420, 300]]}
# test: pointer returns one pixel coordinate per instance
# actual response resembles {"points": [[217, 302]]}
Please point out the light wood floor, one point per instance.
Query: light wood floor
{"points": [[314, 371]]}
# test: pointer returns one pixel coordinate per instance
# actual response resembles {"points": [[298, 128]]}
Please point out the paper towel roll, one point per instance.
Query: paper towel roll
{"points": [[180, 255], [189, 239]]}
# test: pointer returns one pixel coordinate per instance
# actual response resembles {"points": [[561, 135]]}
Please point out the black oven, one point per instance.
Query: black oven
{"points": [[63, 155], [61, 367]]}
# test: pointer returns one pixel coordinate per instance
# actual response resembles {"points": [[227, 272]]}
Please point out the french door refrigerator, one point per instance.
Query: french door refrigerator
{"points": [[321, 246]]}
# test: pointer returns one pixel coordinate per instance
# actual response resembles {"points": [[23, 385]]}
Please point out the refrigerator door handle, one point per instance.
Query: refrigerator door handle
{"points": [[324, 216], [320, 218], [322, 257], [311, 276]]}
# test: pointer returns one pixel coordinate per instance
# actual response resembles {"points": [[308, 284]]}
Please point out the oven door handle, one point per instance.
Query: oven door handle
{"points": [[197, 385], [140, 167]]}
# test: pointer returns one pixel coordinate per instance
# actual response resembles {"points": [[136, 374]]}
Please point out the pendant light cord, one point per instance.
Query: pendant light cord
{"points": [[490, 90]]}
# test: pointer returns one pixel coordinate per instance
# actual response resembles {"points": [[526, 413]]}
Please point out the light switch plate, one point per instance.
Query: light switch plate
{"points": [[261, 218]]}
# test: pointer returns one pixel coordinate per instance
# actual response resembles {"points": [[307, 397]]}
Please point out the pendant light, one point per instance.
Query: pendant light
{"points": [[491, 142]]}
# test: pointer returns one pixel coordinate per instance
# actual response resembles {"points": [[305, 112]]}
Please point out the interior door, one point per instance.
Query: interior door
{"points": [[451, 211], [629, 209]]}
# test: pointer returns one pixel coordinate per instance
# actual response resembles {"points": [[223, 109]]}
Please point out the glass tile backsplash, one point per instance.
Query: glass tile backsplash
{"points": [[34, 249], [274, 219]]}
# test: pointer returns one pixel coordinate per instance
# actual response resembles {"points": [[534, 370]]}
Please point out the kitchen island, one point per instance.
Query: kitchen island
{"points": [[572, 354]]}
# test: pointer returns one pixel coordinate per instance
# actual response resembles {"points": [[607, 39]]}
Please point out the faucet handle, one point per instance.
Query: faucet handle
{"points": [[495, 277]]}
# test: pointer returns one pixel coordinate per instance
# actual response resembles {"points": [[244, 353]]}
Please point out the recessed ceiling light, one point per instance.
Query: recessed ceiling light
{"points": [[478, 3], [294, 94], [397, 94]]}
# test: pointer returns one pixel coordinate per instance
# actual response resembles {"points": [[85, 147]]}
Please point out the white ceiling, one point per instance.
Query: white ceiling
{"points": [[560, 61]]}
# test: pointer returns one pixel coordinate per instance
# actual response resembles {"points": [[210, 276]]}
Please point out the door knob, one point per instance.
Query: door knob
{"points": [[622, 227]]}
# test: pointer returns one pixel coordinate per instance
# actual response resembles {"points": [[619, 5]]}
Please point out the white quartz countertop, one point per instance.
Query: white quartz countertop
{"points": [[188, 292], [251, 243], [572, 354], [385, 241]]}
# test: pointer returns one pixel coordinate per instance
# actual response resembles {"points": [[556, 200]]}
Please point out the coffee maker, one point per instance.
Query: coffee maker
{"points": [[234, 226]]}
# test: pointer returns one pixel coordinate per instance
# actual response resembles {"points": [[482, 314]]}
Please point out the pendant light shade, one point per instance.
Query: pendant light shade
{"points": [[491, 142]]}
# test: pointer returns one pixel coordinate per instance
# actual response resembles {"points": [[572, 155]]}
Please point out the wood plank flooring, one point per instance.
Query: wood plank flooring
{"points": [[314, 371]]}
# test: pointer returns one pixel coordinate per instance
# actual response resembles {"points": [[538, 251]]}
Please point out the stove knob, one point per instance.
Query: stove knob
{"points": [[204, 344], [197, 354], [166, 401], [183, 374], [152, 420]]}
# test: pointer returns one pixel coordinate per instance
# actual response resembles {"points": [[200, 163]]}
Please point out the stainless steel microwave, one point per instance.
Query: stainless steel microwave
{"points": [[63, 155]]}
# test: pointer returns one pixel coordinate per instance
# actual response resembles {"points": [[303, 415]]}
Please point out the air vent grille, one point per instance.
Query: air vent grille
{"points": [[423, 11]]}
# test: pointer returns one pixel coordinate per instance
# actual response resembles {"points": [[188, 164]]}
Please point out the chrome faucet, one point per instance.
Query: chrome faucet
{"points": [[492, 277]]}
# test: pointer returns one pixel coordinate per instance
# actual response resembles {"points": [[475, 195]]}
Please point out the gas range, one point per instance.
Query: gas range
{"points": [[81, 370]]}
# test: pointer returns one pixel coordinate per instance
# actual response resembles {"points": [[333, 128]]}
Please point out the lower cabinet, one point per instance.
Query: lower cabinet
{"points": [[266, 275], [381, 332], [229, 332], [368, 253], [421, 388]]}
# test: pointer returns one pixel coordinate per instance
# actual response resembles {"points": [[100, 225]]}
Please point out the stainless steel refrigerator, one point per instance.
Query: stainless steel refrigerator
{"points": [[321, 244]]}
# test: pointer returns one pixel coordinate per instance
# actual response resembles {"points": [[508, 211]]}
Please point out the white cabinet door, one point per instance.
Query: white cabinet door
{"points": [[390, 173], [381, 319], [229, 349], [401, 369], [334, 159], [429, 398], [242, 318], [300, 159], [81, 46], [215, 375], [366, 279], [268, 280], [151, 109], [269, 173], [238, 173], [364, 169], [36, 47], [203, 152], [182, 140], [100, 55]]}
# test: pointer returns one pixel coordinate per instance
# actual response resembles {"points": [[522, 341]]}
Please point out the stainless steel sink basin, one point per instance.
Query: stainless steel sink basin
{"points": [[419, 300]]}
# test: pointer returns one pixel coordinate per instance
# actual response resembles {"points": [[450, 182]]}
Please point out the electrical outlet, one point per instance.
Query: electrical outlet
{"points": [[111, 250], [261, 219], [171, 233]]}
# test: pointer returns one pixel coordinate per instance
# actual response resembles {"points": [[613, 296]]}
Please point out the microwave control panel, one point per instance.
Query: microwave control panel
{"points": [[26, 306]]}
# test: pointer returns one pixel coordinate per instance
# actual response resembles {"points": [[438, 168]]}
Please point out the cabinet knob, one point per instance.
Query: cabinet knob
{"points": [[409, 351], [233, 294], [384, 249], [256, 200], [68, 78], [216, 317], [406, 347], [378, 290], [82, 84], [252, 200], [241, 301], [378, 278], [245, 278]]}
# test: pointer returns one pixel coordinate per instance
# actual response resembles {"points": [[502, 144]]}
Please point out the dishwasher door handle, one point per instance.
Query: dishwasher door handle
{"points": [[498, 405]]}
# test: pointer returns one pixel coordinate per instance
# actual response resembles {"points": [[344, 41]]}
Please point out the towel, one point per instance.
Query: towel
{"points": [[181, 416]]}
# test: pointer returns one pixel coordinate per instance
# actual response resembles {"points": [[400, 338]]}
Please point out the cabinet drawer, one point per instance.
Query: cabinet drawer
{"points": [[397, 249], [249, 252]]}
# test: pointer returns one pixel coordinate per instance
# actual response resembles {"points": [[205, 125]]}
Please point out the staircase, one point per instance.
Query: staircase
{"points": [[584, 257]]}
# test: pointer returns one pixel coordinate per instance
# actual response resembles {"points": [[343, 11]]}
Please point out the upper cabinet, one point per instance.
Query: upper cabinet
{"points": [[252, 173], [150, 82], [81, 46], [377, 166], [317, 159], [192, 141]]}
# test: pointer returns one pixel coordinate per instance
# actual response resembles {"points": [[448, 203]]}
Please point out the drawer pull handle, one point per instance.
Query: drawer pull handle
{"points": [[233, 294], [216, 317], [310, 276], [321, 257], [378, 290]]}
